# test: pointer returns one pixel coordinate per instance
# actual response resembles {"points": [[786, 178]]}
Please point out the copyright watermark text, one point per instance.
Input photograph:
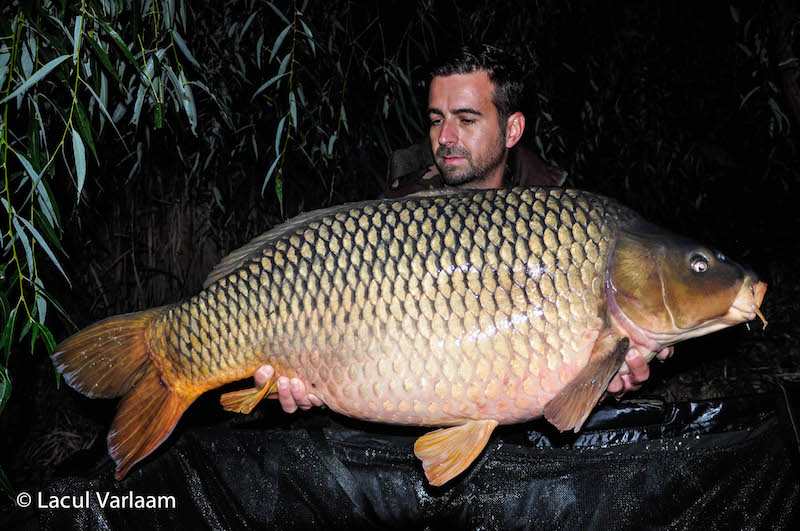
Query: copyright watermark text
{"points": [[104, 500]]}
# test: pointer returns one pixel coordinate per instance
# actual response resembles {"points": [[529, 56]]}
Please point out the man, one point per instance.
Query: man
{"points": [[474, 101], [474, 146]]}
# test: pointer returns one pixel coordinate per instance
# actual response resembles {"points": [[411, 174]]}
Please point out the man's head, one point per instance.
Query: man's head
{"points": [[474, 99]]}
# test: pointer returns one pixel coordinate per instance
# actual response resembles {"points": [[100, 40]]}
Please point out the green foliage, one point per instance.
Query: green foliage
{"points": [[760, 93], [304, 102], [88, 89]]}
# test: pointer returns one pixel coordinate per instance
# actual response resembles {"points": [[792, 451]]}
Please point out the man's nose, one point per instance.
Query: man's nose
{"points": [[448, 135]]}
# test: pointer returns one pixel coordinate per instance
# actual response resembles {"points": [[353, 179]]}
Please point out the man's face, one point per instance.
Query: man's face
{"points": [[467, 141]]}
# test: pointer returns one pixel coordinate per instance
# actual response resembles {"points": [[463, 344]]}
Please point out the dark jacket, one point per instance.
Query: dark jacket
{"points": [[412, 170]]}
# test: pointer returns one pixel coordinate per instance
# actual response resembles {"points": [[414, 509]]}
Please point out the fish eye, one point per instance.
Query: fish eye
{"points": [[699, 263]]}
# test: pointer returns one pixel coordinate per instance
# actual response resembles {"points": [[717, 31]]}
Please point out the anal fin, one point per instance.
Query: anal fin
{"points": [[245, 400], [571, 406], [447, 452]]}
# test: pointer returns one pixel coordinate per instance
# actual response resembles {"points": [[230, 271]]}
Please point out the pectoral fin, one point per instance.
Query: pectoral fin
{"points": [[245, 400], [572, 405], [447, 452]]}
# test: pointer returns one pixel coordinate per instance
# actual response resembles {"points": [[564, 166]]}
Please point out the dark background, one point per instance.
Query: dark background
{"points": [[686, 111]]}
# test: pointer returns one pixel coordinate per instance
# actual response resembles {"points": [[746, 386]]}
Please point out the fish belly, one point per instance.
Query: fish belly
{"points": [[428, 310]]}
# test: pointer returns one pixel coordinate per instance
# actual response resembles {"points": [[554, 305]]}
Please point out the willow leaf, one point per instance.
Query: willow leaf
{"points": [[267, 84], [8, 332], [278, 136], [120, 43], [310, 37], [259, 45], [278, 42], [4, 58], [269, 175], [49, 341], [185, 49], [41, 302], [284, 63], [104, 60], [76, 39], [86, 129], [35, 78], [23, 239], [188, 102], [39, 187], [278, 12], [47, 228], [5, 394], [80, 160], [103, 109], [44, 245], [279, 192], [246, 26]]}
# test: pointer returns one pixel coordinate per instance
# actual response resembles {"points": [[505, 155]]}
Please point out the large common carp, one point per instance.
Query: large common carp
{"points": [[463, 310]]}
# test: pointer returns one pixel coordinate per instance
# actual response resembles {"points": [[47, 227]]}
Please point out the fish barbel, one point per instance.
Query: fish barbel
{"points": [[462, 310]]}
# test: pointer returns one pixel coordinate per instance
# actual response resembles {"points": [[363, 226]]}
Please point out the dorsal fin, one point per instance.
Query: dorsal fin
{"points": [[437, 192], [243, 254], [253, 248]]}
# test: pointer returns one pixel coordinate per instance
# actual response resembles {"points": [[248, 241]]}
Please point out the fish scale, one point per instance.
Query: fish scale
{"points": [[383, 302], [454, 309]]}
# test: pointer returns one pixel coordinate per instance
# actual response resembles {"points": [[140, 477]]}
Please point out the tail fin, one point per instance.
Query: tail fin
{"points": [[112, 358], [145, 417]]}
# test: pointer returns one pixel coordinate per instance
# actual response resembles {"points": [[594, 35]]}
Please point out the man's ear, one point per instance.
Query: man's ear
{"points": [[515, 126]]}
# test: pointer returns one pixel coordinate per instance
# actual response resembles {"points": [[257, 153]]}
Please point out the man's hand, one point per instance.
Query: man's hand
{"points": [[640, 372], [292, 394]]}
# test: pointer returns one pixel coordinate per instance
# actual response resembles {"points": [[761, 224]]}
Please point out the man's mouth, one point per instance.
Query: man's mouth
{"points": [[451, 156]]}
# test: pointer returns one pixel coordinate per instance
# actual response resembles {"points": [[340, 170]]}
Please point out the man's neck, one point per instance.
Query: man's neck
{"points": [[491, 181], [485, 184]]}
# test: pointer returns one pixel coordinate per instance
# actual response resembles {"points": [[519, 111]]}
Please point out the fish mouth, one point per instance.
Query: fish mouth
{"points": [[746, 306]]}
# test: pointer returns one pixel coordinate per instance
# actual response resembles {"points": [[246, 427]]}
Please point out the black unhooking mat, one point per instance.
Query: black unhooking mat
{"points": [[719, 464]]}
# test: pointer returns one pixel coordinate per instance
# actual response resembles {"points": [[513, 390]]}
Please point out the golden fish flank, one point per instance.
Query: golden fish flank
{"points": [[463, 309]]}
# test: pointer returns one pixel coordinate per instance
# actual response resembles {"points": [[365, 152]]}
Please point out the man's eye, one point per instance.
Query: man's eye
{"points": [[435, 121], [467, 121]]}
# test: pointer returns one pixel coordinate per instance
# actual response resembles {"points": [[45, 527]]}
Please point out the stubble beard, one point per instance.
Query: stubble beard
{"points": [[475, 170]]}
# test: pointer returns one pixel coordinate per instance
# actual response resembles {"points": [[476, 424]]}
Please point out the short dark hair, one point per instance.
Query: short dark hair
{"points": [[504, 69]]}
